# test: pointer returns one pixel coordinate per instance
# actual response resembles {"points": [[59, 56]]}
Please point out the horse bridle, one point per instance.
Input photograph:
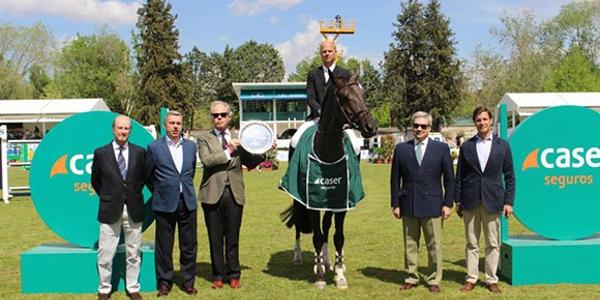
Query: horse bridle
{"points": [[355, 117]]}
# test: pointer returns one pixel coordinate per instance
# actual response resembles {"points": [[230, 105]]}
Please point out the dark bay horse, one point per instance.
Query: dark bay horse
{"points": [[343, 106]]}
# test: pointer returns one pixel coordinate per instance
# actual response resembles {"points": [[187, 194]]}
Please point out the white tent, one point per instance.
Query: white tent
{"points": [[47, 110], [523, 105]]}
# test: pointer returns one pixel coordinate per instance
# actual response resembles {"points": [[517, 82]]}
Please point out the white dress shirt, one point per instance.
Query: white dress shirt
{"points": [[176, 150], [484, 147], [326, 72]]}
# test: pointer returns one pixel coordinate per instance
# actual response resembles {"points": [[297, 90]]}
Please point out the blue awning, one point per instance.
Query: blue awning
{"points": [[268, 95]]}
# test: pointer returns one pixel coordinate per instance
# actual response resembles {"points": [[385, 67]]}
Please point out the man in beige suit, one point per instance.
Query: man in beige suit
{"points": [[222, 193]]}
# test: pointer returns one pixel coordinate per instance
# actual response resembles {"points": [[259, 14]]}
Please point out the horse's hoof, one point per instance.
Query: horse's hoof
{"points": [[320, 284], [297, 258], [341, 283]]}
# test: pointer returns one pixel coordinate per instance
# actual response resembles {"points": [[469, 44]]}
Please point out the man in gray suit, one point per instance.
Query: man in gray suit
{"points": [[170, 167], [222, 193]]}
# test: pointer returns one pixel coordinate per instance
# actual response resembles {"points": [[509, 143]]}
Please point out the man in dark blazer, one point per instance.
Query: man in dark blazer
{"points": [[318, 77], [118, 179], [222, 193], [418, 169], [316, 88], [171, 165], [485, 187]]}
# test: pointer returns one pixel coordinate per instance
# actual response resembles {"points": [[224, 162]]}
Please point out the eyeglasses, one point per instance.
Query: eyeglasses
{"points": [[423, 126], [222, 115]]}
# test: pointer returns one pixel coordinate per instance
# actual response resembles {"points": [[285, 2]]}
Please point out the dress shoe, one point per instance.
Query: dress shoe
{"points": [[217, 284], [135, 296], [234, 283], [407, 286], [494, 288], [163, 290], [469, 286], [434, 288], [103, 296], [190, 290]]}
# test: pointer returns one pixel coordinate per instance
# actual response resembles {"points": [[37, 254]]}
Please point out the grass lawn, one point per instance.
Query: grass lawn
{"points": [[373, 251]]}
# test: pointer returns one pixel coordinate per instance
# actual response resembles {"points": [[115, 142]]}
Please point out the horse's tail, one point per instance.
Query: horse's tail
{"points": [[296, 215]]}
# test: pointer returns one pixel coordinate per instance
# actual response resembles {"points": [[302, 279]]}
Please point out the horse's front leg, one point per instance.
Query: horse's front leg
{"points": [[338, 240], [319, 267], [327, 218], [297, 249]]}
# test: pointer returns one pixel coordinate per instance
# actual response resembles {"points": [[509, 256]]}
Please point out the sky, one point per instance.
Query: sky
{"points": [[289, 25]]}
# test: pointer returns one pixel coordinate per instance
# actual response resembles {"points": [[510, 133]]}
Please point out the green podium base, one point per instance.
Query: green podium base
{"points": [[66, 268], [535, 260]]}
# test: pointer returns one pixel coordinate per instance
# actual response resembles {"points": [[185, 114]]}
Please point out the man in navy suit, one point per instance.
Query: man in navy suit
{"points": [[118, 179], [171, 165], [418, 169], [485, 164]]}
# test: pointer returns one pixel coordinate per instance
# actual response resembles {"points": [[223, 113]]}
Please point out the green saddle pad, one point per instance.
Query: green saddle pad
{"points": [[319, 185]]}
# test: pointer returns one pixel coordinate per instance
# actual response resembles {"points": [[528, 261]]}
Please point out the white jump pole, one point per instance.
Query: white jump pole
{"points": [[4, 163]]}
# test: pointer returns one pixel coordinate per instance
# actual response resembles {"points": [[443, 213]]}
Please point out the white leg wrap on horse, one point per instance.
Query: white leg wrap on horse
{"points": [[319, 270], [297, 253], [340, 268]]}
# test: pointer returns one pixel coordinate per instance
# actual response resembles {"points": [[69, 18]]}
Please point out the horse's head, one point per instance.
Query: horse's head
{"points": [[351, 99]]}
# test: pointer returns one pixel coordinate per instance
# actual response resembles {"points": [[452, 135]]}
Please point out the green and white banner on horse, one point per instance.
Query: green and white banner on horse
{"points": [[318, 185]]}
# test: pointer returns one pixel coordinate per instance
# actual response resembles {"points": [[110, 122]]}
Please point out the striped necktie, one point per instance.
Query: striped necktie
{"points": [[122, 166]]}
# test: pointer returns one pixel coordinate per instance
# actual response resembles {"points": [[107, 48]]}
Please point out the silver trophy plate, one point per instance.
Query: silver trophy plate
{"points": [[256, 137]]}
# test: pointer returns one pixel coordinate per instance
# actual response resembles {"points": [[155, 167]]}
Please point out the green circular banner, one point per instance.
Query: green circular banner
{"points": [[60, 175], [557, 166]]}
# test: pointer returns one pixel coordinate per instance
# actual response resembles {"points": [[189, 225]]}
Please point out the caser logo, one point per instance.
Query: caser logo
{"points": [[78, 164], [328, 181], [75, 165], [564, 158]]}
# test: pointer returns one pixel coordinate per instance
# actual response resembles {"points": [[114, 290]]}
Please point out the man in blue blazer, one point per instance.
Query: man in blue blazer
{"points": [[485, 187], [170, 166], [419, 168]]}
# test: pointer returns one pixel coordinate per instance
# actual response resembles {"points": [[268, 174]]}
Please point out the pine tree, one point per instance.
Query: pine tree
{"points": [[164, 80], [420, 70], [405, 64], [444, 78]]}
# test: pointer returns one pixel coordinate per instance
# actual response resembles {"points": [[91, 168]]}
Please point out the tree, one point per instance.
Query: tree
{"points": [[421, 72], [21, 49], [489, 79], [528, 63], [575, 73], [24, 47], [92, 67], [255, 62], [164, 80], [576, 25], [12, 84], [39, 79], [444, 79]]}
